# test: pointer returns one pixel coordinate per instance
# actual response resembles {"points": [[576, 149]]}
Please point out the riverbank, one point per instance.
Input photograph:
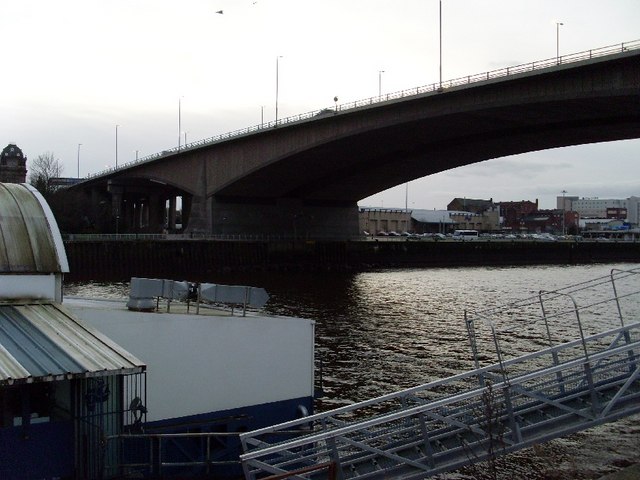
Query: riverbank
{"points": [[116, 260]]}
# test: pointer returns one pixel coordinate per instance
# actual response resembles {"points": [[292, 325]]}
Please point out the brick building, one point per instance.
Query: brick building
{"points": [[514, 213], [470, 205]]}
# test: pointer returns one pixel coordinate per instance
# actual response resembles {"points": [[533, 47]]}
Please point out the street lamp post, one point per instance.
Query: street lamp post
{"points": [[179, 120], [380, 72], [564, 210], [558, 42], [79, 160], [440, 44], [117, 145], [277, 84], [406, 198]]}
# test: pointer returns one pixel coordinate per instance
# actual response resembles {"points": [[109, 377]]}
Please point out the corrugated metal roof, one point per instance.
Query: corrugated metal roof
{"points": [[30, 241], [43, 342]]}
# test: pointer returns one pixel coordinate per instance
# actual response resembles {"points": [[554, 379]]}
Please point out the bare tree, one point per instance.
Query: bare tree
{"points": [[42, 169]]}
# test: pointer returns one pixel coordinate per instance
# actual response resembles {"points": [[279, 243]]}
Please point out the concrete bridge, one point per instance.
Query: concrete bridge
{"points": [[303, 176]]}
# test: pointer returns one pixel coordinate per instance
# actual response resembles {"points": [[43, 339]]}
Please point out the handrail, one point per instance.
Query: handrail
{"points": [[314, 436], [446, 421], [435, 385], [433, 88], [590, 379], [156, 463]]}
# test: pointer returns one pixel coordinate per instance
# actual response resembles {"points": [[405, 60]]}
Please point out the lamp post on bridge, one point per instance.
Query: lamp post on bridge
{"points": [[180, 121], [564, 211], [558, 42], [79, 160], [380, 72], [440, 44], [277, 84], [117, 145]]}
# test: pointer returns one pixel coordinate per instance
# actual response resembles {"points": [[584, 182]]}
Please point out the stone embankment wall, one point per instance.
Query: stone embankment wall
{"points": [[196, 260]]}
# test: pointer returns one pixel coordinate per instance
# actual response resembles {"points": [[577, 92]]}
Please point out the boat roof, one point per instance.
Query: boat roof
{"points": [[30, 241], [44, 342]]}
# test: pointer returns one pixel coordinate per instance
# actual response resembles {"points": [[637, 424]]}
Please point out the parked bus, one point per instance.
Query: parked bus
{"points": [[465, 235]]}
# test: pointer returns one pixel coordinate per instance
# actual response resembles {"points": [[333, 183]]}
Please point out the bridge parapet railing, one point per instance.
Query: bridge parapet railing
{"points": [[435, 88]]}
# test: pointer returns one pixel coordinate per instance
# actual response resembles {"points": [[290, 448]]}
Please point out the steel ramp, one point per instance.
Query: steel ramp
{"points": [[489, 411]]}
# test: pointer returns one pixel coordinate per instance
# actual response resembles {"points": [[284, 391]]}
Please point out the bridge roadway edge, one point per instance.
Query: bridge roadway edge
{"points": [[203, 260]]}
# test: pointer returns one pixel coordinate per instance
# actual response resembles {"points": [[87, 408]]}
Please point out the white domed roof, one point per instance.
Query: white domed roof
{"points": [[30, 241]]}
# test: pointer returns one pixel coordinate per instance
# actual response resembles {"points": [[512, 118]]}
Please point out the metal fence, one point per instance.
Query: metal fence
{"points": [[173, 455]]}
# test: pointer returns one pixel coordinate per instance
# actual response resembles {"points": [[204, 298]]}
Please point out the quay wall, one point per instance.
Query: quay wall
{"points": [[199, 260]]}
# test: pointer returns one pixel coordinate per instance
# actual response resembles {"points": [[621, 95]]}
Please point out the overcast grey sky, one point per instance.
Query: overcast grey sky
{"points": [[74, 69]]}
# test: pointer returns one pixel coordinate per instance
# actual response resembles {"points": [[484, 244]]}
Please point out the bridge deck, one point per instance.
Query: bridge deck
{"points": [[571, 385]]}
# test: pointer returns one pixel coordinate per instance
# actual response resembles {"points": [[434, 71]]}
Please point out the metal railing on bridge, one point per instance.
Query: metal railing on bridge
{"points": [[588, 373], [433, 88]]}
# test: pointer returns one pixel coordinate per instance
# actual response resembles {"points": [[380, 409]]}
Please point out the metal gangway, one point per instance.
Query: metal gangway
{"points": [[583, 370]]}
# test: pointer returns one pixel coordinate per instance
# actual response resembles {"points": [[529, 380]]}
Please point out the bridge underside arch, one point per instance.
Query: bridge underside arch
{"points": [[305, 188], [146, 205], [304, 179], [358, 165]]}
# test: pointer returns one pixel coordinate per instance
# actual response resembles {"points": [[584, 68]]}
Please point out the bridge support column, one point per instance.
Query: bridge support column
{"points": [[199, 215], [199, 208], [156, 213], [172, 214], [116, 204], [288, 218]]}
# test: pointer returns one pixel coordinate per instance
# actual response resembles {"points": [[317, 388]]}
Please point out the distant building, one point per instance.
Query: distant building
{"points": [[377, 220], [486, 221], [13, 165], [543, 221], [446, 221], [514, 213], [595, 207], [432, 221], [600, 225], [606, 208], [633, 211], [470, 205], [63, 182], [616, 213], [565, 202]]}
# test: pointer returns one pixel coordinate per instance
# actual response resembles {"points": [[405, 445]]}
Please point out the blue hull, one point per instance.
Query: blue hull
{"points": [[225, 450]]}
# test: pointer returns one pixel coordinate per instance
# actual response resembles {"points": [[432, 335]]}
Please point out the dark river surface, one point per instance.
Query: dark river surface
{"points": [[380, 331]]}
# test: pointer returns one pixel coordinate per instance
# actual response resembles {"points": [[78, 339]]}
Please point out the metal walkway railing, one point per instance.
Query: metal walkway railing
{"points": [[588, 374]]}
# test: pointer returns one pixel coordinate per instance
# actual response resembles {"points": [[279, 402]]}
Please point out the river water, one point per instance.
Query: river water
{"points": [[380, 331]]}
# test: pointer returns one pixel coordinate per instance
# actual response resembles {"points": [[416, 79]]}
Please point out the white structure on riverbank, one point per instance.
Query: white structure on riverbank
{"points": [[624, 209]]}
